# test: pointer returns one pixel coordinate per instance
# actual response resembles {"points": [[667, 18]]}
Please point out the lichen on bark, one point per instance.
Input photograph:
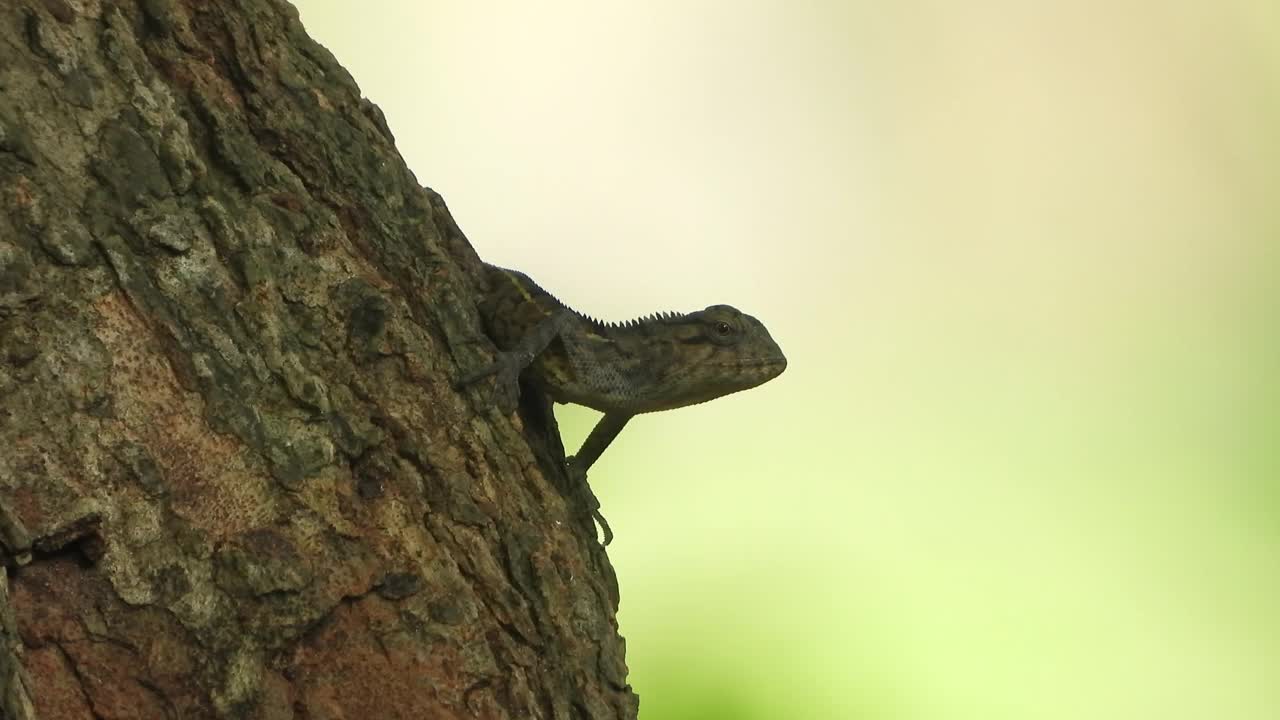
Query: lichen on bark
{"points": [[235, 478]]}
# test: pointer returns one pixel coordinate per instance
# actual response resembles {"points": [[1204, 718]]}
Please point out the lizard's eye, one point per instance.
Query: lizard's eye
{"points": [[723, 329]]}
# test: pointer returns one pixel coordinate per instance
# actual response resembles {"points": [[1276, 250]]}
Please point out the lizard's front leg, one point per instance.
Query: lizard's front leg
{"points": [[509, 364]]}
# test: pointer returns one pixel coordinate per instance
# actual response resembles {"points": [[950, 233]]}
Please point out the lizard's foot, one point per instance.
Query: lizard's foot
{"points": [[506, 389], [578, 480]]}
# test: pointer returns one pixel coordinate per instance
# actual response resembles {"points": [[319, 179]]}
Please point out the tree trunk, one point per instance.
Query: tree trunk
{"points": [[235, 479]]}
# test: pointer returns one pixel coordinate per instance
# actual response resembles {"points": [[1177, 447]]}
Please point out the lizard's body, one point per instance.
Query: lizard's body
{"points": [[658, 362]]}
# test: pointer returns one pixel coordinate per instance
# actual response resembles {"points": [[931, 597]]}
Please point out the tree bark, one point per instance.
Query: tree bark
{"points": [[235, 479]]}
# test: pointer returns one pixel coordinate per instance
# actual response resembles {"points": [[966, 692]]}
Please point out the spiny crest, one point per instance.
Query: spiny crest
{"points": [[633, 323], [527, 283]]}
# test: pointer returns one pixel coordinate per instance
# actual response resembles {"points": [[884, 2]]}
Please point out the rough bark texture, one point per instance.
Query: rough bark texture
{"points": [[235, 480]]}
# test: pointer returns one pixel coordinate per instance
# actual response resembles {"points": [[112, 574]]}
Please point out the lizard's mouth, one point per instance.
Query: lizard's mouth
{"points": [[761, 369], [751, 364], [779, 363]]}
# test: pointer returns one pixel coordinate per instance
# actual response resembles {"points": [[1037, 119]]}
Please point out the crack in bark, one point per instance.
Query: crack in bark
{"points": [[316, 626], [473, 688], [475, 582], [171, 710], [81, 681]]}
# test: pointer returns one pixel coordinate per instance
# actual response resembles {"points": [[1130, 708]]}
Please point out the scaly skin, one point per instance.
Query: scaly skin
{"points": [[658, 362]]}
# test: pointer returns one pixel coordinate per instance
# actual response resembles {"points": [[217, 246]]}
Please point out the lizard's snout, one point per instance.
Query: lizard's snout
{"points": [[777, 361], [776, 365]]}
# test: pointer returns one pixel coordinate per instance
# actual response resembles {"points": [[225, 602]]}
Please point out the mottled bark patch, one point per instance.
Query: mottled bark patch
{"points": [[236, 478]]}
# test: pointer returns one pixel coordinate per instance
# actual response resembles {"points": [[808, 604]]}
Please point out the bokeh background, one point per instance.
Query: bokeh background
{"points": [[1024, 258]]}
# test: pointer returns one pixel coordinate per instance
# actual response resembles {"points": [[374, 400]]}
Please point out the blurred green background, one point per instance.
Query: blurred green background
{"points": [[1024, 259]]}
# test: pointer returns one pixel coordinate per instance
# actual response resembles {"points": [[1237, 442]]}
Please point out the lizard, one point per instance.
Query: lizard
{"points": [[657, 362]]}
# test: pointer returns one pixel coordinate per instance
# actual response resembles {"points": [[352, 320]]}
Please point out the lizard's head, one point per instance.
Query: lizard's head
{"points": [[718, 351]]}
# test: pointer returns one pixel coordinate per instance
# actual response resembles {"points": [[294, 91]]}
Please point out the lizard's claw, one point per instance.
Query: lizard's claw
{"points": [[578, 480], [604, 526]]}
